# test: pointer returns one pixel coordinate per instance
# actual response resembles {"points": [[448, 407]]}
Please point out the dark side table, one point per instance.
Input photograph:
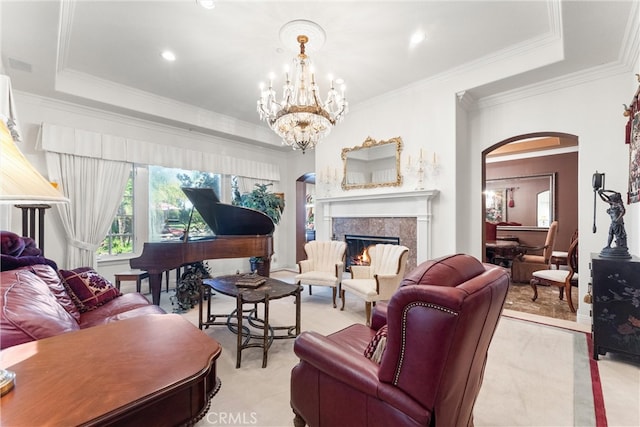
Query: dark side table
{"points": [[616, 314], [256, 332]]}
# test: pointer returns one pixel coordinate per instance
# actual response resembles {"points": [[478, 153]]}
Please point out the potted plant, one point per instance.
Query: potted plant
{"points": [[265, 201]]}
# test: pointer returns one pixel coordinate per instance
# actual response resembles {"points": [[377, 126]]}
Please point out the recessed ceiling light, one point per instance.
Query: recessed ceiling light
{"points": [[207, 4], [417, 38], [168, 55]]}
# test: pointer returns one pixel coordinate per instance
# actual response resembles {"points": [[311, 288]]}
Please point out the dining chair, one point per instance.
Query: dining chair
{"points": [[564, 279], [534, 258], [559, 258]]}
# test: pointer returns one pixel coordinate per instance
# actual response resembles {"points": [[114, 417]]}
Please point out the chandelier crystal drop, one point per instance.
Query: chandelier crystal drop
{"points": [[301, 118]]}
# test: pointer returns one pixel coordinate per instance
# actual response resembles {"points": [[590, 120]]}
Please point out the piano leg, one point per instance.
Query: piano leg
{"points": [[155, 284]]}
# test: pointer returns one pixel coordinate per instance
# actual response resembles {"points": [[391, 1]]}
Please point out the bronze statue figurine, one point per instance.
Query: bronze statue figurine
{"points": [[616, 211]]}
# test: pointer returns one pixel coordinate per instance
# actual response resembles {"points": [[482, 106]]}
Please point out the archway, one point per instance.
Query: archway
{"points": [[302, 190], [522, 157]]}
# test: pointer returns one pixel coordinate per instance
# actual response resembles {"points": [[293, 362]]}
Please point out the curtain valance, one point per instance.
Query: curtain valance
{"points": [[67, 140]]}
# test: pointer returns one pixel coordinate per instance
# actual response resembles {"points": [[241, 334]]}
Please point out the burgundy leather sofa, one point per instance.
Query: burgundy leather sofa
{"points": [[439, 324], [34, 303]]}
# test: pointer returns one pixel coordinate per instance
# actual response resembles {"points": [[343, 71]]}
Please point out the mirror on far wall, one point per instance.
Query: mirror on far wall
{"points": [[522, 201], [372, 164]]}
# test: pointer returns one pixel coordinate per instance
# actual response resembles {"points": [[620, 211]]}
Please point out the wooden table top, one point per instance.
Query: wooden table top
{"points": [[274, 287], [502, 244], [94, 374]]}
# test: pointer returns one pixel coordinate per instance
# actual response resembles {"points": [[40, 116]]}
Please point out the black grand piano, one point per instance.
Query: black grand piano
{"points": [[239, 232]]}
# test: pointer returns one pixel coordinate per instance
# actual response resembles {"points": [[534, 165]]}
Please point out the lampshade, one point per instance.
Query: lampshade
{"points": [[20, 182]]}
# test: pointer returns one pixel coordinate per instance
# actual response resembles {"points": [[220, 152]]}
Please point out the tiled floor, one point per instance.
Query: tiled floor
{"points": [[548, 304]]}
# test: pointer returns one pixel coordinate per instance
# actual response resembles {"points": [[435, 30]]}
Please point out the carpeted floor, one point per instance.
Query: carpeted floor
{"points": [[535, 375]]}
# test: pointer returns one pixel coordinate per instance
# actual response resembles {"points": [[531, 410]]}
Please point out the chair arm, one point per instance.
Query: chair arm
{"points": [[339, 269], [305, 265], [338, 362], [360, 271], [386, 284]]}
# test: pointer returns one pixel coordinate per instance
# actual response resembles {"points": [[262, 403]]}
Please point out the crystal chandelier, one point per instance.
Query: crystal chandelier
{"points": [[301, 118]]}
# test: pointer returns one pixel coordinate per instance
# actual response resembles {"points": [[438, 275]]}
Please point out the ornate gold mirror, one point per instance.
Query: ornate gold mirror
{"points": [[372, 164], [525, 200]]}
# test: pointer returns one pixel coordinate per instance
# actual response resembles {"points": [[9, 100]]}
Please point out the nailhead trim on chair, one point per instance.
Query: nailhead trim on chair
{"points": [[396, 377]]}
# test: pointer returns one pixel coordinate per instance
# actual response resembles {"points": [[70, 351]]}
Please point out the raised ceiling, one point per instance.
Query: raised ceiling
{"points": [[106, 54]]}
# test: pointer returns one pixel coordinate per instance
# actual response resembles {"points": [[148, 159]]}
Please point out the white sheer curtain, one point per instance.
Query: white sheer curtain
{"points": [[94, 187]]}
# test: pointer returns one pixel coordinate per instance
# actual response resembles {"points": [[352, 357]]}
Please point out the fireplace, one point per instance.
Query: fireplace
{"points": [[404, 214], [357, 244]]}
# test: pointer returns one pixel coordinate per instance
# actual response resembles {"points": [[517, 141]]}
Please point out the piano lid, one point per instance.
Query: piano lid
{"points": [[225, 219]]}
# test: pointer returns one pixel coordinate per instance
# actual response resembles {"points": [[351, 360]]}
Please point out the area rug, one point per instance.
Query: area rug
{"points": [[536, 375]]}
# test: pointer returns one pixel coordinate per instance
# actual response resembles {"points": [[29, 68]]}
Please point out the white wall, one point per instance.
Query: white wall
{"points": [[33, 110], [593, 112], [424, 117]]}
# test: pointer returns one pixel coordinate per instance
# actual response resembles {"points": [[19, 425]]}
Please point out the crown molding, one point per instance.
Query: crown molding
{"points": [[630, 49], [626, 62], [552, 85], [465, 99], [65, 25]]}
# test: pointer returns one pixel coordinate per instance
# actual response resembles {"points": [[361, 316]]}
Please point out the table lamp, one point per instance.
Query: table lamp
{"points": [[20, 182]]}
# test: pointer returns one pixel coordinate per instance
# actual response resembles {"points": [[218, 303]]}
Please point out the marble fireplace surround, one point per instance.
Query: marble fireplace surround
{"points": [[403, 214]]}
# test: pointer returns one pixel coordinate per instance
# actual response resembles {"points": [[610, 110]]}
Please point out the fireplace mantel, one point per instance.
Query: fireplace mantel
{"points": [[408, 204], [418, 194]]}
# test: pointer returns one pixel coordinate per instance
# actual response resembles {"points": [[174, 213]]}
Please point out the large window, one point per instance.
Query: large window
{"points": [[170, 212], [120, 239]]}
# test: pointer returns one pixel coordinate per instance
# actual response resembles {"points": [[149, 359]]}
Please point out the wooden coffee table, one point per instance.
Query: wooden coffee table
{"points": [[247, 338], [155, 370]]}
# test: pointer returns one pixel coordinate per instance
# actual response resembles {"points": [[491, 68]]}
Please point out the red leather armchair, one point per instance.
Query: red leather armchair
{"points": [[439, 324]]}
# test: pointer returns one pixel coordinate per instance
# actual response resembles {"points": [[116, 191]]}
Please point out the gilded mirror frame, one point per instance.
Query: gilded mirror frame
{"points": [[502, 186], [371, 143]]}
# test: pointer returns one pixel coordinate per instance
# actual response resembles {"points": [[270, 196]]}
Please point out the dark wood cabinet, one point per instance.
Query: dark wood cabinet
{"points": [[616, 305]]}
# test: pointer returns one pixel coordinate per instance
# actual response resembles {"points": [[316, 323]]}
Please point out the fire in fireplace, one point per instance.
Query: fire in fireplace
{"points": [[357, 246]]}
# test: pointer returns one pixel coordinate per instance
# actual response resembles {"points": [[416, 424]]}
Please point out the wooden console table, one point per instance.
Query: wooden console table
{"points": [[155, 370]]}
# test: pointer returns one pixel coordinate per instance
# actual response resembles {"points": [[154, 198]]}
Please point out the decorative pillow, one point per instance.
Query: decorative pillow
{"points": [[376, 347], [88, 289]]}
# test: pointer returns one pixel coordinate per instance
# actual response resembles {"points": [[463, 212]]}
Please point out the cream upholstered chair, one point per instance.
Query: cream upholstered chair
{"points": [[379, 280], [324, 265], [534, 258]]}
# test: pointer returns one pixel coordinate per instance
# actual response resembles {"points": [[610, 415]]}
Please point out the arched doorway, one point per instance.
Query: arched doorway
{"points": [[305, 188], [521, 157]]}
